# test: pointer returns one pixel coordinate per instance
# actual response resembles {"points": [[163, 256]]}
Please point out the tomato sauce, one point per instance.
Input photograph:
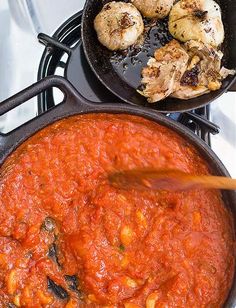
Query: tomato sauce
{"points": [[69, 239]]}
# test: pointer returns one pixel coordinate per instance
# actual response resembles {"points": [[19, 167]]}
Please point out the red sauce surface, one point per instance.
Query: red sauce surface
{"points": [[101, 246]]}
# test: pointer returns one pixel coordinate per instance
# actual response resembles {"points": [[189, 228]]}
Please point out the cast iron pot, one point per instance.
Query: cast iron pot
{"points": [[121, 74], [74, 104]]}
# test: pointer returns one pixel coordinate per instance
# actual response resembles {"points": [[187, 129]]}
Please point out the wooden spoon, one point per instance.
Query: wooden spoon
{"points": [[171, 180]]}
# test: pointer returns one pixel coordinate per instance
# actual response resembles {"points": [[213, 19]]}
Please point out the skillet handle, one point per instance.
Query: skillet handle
{"points": [[73, 103], [37, 88]]}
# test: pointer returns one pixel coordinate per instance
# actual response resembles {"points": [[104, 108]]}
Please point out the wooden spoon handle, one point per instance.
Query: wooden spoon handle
{"points": [[217, 182], [168, 180]]}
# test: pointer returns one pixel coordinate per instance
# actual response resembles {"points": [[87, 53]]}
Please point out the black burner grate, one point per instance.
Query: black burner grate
{"points": [[54, 60]]}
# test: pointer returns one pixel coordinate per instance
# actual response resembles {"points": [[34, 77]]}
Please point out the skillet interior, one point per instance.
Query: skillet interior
{"points": [[121, 73]]}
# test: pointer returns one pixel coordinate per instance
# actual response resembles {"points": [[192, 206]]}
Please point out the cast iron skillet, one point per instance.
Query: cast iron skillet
{"points": [[121, 73], [74, 103]]}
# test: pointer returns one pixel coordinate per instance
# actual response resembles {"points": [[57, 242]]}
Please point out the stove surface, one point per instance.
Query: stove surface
{"points": [[20, 53]]}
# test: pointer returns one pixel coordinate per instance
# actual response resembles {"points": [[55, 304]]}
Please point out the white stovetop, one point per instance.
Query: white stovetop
{"points": [[20, 53]]}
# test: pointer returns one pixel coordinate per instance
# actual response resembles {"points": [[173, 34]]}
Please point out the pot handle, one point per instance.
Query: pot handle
{"points": [[73, 103]]}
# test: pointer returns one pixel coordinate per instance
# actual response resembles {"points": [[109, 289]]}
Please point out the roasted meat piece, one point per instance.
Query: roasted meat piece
{"points": [[204, 72], [162, 75], [183, 71]]}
